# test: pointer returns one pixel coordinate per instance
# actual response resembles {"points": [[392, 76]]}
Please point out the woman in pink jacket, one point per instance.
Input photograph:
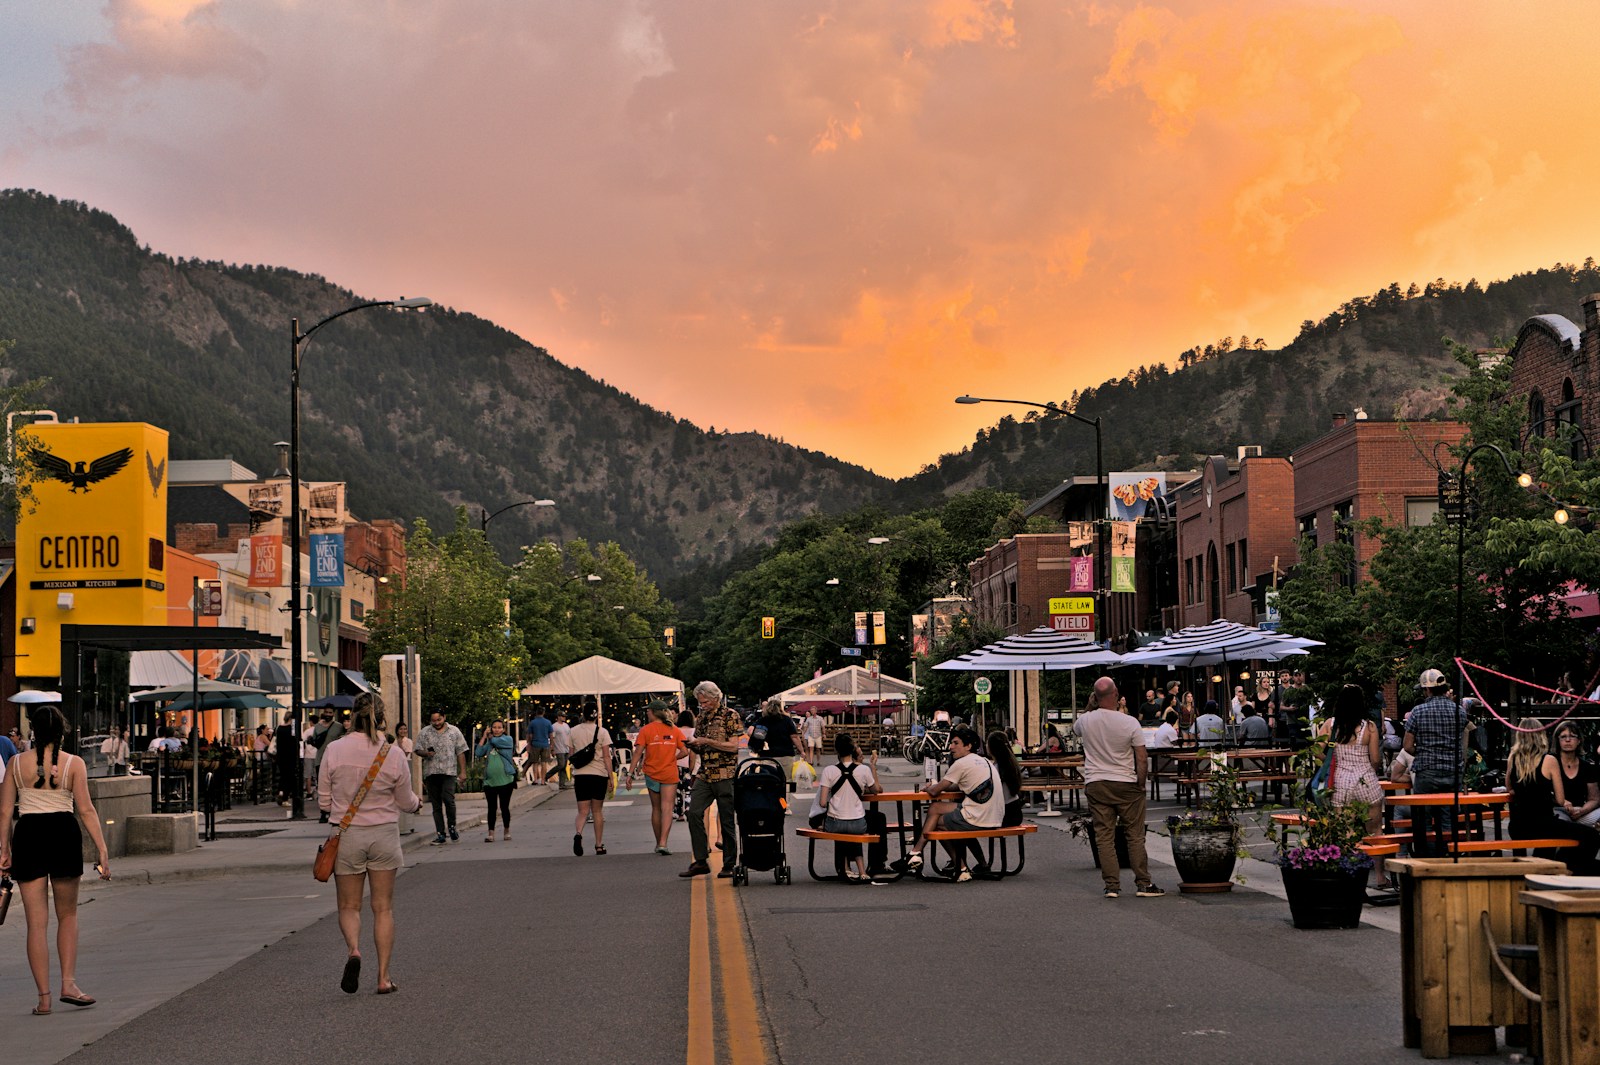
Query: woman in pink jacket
{"points": [[370, 849]]}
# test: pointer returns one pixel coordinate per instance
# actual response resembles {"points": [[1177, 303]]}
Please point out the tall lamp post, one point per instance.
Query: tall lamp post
{"points": [[1102, 508], [486, 518], [1459, 505], [296, 636]]}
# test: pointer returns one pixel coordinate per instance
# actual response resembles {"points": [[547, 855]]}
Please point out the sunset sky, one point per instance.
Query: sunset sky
{"points": [[824, 220]]}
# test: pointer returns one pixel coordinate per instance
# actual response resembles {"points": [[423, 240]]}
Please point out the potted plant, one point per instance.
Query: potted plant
{"points": [[1323, 866], [1206, 840], [1081, 826]]}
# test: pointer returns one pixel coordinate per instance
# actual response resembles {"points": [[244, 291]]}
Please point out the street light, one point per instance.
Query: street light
{"points": [[483, 522], [296, 637], [1102, 588], [1460, 488]]}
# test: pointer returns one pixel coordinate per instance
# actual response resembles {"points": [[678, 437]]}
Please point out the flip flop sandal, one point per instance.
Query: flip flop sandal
{"points": [[77, 1000], [391, 989], [350, 982]]}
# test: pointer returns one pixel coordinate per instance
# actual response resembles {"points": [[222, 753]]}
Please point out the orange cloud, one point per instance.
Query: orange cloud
{"points": [[825, 223]]}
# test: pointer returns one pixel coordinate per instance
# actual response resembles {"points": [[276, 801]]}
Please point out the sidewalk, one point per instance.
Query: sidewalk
{"points": [[284, 845]]}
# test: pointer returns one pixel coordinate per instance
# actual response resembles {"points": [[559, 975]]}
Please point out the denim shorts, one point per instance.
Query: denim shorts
{"points": [[954, 822]]}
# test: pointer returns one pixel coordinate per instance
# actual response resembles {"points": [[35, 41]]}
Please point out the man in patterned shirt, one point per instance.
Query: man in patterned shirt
{"points": [[717, 730], [443, 751], [1435, 729]]}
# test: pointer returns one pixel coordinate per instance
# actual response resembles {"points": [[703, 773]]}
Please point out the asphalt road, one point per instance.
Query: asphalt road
{"points": [[522, 952]]}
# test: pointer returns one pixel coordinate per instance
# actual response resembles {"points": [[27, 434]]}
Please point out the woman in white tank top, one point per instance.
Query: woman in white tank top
{"points": [[44, 851]]}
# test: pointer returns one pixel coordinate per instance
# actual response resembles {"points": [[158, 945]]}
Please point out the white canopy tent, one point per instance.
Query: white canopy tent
{"points": [[843, 688], [600, 676]]}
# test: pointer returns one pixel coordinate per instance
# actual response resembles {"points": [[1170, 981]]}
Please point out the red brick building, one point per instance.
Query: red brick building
{"points": [[1233, 521], [1364, 469], [1555, 370], [1013, 582]]}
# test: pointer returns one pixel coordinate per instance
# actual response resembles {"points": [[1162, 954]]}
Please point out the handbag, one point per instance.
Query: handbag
{"points": [[328, 849], [582, 757], [1319, 789]]}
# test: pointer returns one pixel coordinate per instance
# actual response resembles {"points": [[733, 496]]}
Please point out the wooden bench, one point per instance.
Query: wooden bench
{"points": [[811, 835], [993, 835], [1479, 846], [1049, 788]]}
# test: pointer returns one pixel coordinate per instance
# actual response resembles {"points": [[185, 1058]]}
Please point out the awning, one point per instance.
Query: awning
{"points": [[355, 679], [158, 669]]}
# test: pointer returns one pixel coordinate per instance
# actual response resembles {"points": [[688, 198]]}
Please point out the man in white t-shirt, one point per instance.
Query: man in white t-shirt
{"points": [[1236, 707], [983, 804], [1114, 767]]}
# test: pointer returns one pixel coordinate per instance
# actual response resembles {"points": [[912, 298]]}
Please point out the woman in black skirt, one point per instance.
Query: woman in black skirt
{"points": [[43, 853]]}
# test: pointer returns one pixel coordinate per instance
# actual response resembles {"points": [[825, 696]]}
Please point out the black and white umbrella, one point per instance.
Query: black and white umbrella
{"points": [[1218, 642], [1043, 648]]}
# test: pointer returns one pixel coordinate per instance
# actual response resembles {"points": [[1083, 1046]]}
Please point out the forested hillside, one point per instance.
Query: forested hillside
{"points": [[419, 412], [1385, 353]]}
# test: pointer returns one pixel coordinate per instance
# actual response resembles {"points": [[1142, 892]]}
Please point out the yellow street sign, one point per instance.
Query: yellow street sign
{"points": [[1075, 604]]}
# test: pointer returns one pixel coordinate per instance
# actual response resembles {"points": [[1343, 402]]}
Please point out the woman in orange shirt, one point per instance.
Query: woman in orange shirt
{"points": [[658, 747]]}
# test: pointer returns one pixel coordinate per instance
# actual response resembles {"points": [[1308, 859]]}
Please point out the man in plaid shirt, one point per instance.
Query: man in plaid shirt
{"points": [[1435, 729], [717, 731]]}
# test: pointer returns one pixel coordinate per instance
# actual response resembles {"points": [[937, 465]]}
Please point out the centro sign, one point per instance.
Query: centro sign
{"points": [[80, 552]]}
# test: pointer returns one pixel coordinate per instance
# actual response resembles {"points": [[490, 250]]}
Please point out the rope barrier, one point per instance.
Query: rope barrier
{"points": [[1462, 665]]}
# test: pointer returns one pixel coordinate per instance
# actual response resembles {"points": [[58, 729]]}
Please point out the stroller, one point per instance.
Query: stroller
{"points": [[759, 804]]}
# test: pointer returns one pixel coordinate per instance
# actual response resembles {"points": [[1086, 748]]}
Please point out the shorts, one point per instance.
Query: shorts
{"points": [[590, 787], [47, 845], [954, 822], [654, 785], [369, 848]]}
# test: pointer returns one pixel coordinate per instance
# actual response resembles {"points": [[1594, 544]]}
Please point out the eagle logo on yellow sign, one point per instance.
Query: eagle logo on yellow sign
{"points": [[81, 475]]}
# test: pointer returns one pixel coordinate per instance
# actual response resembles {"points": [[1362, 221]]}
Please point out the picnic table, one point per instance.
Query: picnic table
{"points": [[1189, 764], [1055, 773]]}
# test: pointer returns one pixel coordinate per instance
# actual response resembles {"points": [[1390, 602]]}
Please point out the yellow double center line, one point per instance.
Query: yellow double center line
{"points": [[722, 1000]]}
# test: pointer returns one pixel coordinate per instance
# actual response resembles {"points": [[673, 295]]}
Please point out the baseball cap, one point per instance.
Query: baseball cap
{"points": [[1431, 678]]}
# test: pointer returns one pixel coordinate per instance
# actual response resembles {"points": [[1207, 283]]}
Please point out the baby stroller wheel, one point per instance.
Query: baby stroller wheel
{"points": [[741, 876], [782, 874]]}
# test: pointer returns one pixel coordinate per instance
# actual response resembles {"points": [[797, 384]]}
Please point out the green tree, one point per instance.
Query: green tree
{"points": [[564, 616], [451, 607]]}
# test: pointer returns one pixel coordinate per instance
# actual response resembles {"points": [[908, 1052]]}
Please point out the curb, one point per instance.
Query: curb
{"points": [[155, 874]]}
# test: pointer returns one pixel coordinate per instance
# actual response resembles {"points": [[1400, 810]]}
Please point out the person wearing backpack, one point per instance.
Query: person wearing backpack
{"points": [[840, 803]]}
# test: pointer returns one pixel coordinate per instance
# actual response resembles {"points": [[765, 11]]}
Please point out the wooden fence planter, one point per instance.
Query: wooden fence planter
{"points": [[1453, 998], [1569, 974]]}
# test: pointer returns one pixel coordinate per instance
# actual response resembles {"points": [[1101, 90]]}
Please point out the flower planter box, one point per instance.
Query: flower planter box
{"points": [[1321, 898], [1452, 997]]}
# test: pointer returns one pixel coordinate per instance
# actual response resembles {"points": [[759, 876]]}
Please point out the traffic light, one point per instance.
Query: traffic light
{"points": [[671, 635], [769, 628]]}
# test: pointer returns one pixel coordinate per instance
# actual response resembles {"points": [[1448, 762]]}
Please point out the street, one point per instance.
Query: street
{"points": [[520, 951]]}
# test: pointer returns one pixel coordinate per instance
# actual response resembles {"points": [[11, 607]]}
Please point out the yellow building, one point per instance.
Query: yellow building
{"points": [[91, 546]]}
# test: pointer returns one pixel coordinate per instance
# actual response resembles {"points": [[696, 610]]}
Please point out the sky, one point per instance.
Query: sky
{"points": [[824, 220]]}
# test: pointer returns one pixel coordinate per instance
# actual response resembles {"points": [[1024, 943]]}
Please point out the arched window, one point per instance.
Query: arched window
{"points": [[1536, 413]]}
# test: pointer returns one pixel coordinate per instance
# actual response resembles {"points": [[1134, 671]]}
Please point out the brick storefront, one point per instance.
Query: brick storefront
{"points": [[1233, 521]]}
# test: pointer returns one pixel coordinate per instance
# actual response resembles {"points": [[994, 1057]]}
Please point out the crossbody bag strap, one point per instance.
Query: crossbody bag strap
{"points": [[366, 785]]}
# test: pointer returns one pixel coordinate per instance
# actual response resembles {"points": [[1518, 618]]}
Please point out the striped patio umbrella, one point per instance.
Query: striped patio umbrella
{"points": [[1217, 642], [1043, 648]]}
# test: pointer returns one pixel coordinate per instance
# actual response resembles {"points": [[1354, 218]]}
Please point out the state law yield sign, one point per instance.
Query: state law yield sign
{"points": [[1072, 613]]}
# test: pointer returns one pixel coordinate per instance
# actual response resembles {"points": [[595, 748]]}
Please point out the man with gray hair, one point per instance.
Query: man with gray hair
{"points": [[717, 729]]}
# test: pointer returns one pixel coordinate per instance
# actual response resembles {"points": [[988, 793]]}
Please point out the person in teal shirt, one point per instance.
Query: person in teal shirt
{"points": [[499, 775]]}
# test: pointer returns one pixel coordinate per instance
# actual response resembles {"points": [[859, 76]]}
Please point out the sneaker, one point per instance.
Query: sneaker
{"points": [[914, 862], [1113, 893], [964, 876], [455, 837], [1150, 891], [438, 841]]}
